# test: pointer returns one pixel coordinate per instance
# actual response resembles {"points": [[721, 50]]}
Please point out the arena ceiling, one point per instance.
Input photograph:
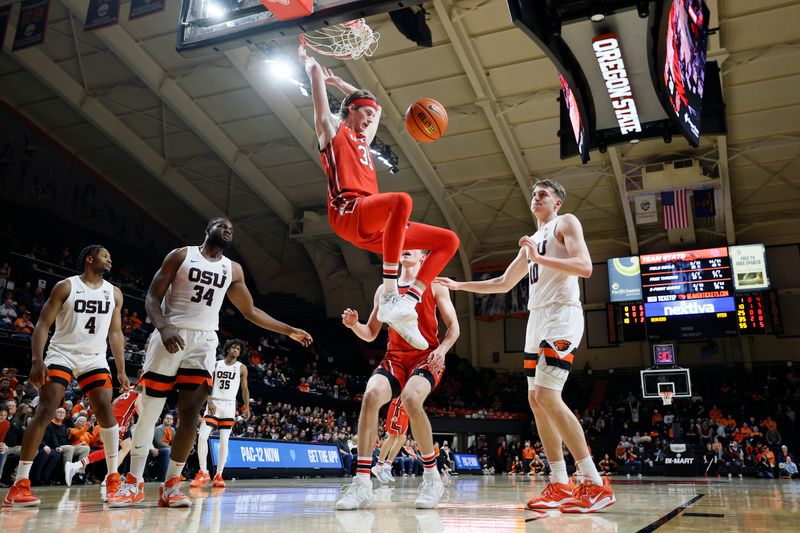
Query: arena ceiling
{"points": [[188, 139]]}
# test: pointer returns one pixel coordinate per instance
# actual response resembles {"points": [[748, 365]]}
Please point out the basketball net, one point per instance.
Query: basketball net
{"points": [[349, 40], [666, 397]]}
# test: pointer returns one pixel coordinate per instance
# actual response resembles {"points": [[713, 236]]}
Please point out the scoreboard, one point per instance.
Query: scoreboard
{"points": [[750, 314], [688, 295]]}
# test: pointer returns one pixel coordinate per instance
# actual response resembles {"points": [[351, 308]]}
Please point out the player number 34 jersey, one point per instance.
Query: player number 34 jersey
{"points": [[195, 297], [226, 380]]}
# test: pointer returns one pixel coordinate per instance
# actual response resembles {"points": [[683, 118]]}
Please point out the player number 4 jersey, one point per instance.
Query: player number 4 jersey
{"points": [[226, 380], [82, 322], [195, 297]]}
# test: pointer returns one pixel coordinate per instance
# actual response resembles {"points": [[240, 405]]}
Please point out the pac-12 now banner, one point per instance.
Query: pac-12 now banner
{"points": [[256, 453], [466, 461]]}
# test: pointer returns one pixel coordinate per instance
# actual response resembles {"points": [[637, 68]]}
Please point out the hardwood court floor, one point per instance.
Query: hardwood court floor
{"points": [[480, 504]]}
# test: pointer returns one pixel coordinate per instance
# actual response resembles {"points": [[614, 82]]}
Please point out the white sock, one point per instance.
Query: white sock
{"points": [[143, 436], [24, 470], [175, 468], [589, 471], [202, 446], [559, 471], [224, 435], [138, 462], [110, 438]]}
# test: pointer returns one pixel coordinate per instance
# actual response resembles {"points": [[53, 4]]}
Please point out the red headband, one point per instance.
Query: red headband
{"points": [[364, 102]]}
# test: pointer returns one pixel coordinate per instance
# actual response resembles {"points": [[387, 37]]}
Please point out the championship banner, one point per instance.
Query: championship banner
{"points": [[749, 264], [646, 208], [101, 13], [704, 203], [5, 11], [140, 8], [31, 24]]}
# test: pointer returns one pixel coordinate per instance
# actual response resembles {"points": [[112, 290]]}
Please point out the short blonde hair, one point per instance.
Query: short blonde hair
{"points": [[554, 186]]}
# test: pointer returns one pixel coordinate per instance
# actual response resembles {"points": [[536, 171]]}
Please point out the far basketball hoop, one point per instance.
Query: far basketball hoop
{"points": [[349, 40], [666, 397]]}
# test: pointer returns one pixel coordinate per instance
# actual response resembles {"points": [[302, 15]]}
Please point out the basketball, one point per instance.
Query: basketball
{"points": [[426, 120]]}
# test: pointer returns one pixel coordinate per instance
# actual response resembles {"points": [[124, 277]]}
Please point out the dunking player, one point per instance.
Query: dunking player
{"points": [[86, 310], [192, 283], [359, 214], [229, 373], [415, 373], [396, 429], [124, 406], [553, 258]]}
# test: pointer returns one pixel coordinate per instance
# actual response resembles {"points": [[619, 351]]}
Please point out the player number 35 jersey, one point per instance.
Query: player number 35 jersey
{"points": [[195, 297], [226, 380], [82, 322]]}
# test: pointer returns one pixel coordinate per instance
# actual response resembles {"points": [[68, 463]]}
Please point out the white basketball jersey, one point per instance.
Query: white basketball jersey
{"points": [[546, 285], [226, 380], [82, 322], [195, 296]]}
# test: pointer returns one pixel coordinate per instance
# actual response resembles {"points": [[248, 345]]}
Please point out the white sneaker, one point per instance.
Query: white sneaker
{"points": [[378, 472], [357, 495], [409, 330], [429, 493], [387, 471], [395, 308], [70, 469]]}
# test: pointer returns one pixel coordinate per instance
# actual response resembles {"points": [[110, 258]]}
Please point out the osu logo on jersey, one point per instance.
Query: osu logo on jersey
{"points": [[562, 345], [207, 278], [92, 306]]}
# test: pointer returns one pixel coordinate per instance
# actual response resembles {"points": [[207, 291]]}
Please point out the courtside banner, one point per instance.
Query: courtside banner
{"points": [[140, 8], [31, 24], [466, 461], [257, 453], [101, 13]]}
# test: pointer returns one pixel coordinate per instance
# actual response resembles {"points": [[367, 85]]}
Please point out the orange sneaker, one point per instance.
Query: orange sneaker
{"points": [[553, 495], [589, 498], [219, 483], [170, 494], [113, 484], [129, 492], [200, 479], [19, 495]]}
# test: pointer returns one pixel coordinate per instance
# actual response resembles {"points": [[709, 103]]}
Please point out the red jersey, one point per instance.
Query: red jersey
{"points": [[124, 407], [348, 166], [397, 418], [428, 325]]}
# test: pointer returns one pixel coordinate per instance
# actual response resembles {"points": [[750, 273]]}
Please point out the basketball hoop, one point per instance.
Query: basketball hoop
{"points": [[666, 396], [349, 40]]}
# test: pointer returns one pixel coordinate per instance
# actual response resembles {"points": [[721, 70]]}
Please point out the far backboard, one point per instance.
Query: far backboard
{"points": [[676, 380]]}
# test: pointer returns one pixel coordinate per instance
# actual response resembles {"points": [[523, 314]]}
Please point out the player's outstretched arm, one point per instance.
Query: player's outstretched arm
{"points": [[369, 331], [58, 296], [448, 313], [155, 294], [325, 123], [240, 296], [579, 262], [517, 270], [117, 341]]}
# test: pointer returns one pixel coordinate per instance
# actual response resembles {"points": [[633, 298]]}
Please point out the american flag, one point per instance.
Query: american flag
{"points": [[675, 209]]}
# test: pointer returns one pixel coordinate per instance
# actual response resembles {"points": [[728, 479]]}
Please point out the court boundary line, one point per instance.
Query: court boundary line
{"points": [[669, 516]]}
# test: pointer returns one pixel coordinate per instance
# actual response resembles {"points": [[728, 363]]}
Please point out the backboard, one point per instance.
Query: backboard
{"points": [[207, 26], [654, 380]]}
